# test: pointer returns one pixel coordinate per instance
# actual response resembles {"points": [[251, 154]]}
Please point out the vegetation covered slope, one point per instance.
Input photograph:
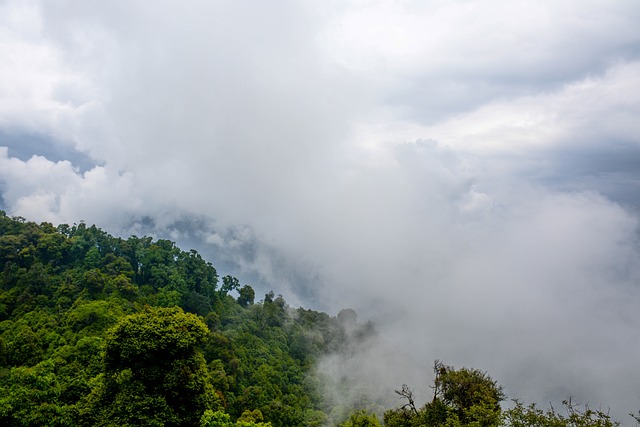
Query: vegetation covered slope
{"points": [[97, 330], [73, 297]]}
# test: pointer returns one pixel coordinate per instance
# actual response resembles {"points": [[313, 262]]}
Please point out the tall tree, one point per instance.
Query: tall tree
{"points": [[154, 372], [462, 397]]}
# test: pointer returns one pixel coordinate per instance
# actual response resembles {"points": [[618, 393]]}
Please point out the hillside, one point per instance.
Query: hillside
{"points": [[63, 288], [97, 330]]}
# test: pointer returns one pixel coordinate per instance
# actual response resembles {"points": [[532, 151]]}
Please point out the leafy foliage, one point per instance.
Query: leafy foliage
{"points": [[532, 416], [97, 330], [100, 330], [468, 397], [461, 397], [152, 362], [361, 419]]}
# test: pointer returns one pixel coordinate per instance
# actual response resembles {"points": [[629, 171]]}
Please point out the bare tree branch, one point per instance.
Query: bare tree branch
{"points": [[407, 393]]}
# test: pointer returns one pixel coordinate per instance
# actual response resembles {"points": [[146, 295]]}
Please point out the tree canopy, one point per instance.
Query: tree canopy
{"points": [[101, 330], [154, 371], [97, 330]]}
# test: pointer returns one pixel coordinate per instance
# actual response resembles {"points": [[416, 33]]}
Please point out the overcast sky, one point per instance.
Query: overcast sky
{"points": [[464, 173]]}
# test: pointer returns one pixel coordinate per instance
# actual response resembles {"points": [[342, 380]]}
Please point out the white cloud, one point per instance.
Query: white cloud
{"points": [[400, 157], [432, 58], [594, 111], [39, 92], [54, 191]]}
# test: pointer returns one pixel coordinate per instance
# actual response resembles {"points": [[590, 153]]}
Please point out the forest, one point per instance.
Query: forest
{"points": [[97, 330]]}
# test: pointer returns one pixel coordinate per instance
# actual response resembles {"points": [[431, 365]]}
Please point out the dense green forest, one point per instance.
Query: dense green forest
{"points": [[97, 330]]}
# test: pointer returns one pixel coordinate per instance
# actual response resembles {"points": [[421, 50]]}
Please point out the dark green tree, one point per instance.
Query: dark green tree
{"points": [[229, 283], [247, 296], [462, 397], [473, 396], [154, 372]]}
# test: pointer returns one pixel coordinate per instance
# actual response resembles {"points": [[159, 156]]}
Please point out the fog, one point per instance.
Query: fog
{"points": [[464, 174]]}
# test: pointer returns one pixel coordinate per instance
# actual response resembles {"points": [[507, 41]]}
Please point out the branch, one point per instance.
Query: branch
{"points": [[407, 393]]}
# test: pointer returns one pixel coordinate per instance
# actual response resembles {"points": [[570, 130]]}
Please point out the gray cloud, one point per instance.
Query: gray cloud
{"points": [[462, 174], [24, 146], [441, 58]]}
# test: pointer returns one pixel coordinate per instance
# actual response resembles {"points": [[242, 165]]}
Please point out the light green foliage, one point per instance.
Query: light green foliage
{"points": [[93, 317], [21, 345], [252, 419], [361, 419], [221, 419], [240, 423], [121, 286], [167, 297], [93, 258], [27, 399], [472, 395], [61, 289], [215, 419], [576, 416]]}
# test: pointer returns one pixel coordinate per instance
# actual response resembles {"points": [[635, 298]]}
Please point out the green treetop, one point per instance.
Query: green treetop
{"points": [[154, 372]]}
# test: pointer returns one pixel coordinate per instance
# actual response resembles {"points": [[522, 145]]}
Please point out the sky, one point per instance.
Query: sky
{"points": [[465, 174]]}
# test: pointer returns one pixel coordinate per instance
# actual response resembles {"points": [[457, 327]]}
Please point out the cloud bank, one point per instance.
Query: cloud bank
{"points": [[465, 174]]}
